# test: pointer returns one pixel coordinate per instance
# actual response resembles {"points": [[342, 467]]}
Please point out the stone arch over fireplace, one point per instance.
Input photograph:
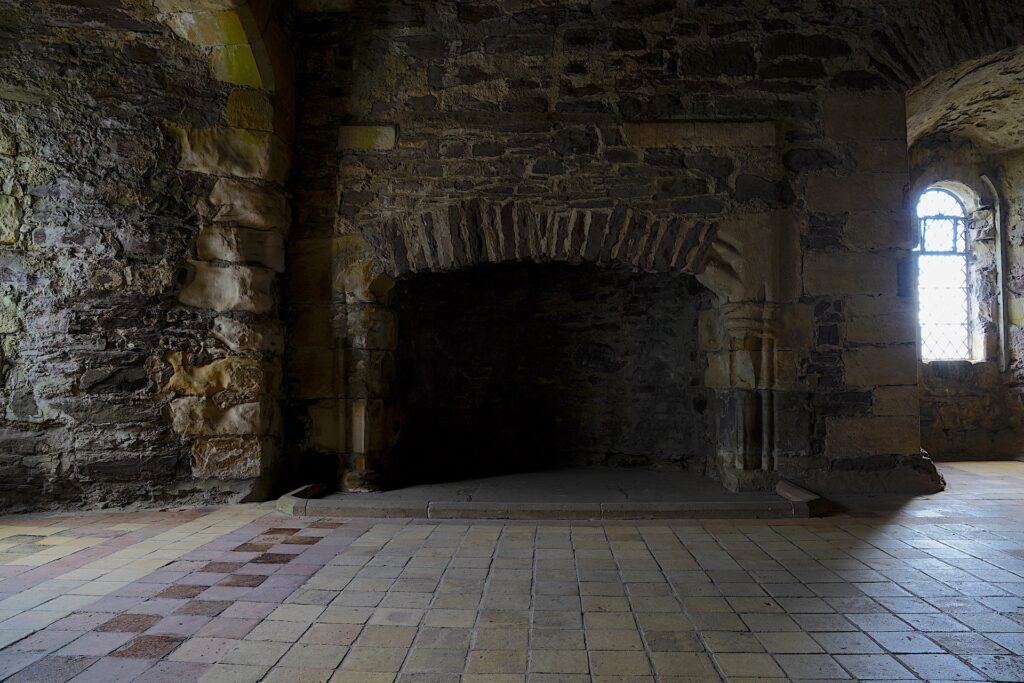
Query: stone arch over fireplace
{"points": [[748, 261]]}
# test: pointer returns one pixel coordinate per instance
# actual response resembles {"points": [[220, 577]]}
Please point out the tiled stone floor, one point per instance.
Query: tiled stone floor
{"points": [[895, 590]]}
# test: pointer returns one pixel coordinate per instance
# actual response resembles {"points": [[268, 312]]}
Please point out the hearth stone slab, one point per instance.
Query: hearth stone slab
{"points": [[576, 494]]}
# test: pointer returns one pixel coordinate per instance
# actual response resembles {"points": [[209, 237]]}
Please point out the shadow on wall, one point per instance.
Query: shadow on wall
{"points": [[514, 367]]}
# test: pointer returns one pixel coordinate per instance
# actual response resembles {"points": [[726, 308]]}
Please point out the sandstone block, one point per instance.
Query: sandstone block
{"points": [[241, 374], [871, 366], [1015, 309], [310, 270], [10, 219], [232, 152], [311, 328], [238, 335], [372, 327], [313, 373], [229, 288], [251, 207], [195, 416], [250, 109], [699, 134], [882, 155], [239, 65], [9, 323], [865, 116], [856, 192], [358, 274], [851, 437], [896, 400], [368, 435], [324, 6], [241, 245], [231, 457], [839, 273], [328, 421], [881, 320], [207, 29], [197, 5], [878, 230], [367, 138]]}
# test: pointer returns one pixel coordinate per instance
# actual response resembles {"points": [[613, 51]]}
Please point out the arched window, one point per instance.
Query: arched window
{"points": [[943, 287]]}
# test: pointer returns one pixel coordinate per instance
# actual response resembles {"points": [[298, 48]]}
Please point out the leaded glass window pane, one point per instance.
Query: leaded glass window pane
{"points": [[944, 307]]}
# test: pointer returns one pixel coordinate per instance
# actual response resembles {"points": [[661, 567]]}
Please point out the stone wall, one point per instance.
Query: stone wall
{"points": [[94, 224], [758, 150], [106, 227], [146, 198], [974, 409]]}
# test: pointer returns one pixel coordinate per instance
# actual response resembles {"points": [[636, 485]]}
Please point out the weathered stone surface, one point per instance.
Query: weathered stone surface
{"points": [[829, 193], [249, 206], [960, 102], [229, 288], [209, 28], [10, 219], [240, 335], [874, 230], [197, 5], [310, 264], [230, 457], [240, 65], [865, 116], [881, 366], [311, 328], [328, 422], [842, 273], [193, 416], [881, 320], [9, 323], [325, 5], [699, 134], [241, 374], [367, 138], [250, 109], [241, 245], [851, 437], [896, 400], [234, 152], [372, 327]]}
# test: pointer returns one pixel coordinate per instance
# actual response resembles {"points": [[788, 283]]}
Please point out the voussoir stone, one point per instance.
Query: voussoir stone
{"points": [[250, 109], [241, 245], [207, 29], [232, 152], [229, 288], [241, 374], [195, 416], [239, 335], [252, 207]]}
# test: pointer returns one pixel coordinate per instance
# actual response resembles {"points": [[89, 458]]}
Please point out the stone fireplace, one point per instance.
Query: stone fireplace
{"points": [[509, 367], [633, 315]]}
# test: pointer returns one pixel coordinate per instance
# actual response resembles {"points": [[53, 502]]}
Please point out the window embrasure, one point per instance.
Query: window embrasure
{"points": [[943, 284]]}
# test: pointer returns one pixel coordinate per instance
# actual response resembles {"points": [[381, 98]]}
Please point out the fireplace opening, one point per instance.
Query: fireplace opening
{"points": [[513, 367]]}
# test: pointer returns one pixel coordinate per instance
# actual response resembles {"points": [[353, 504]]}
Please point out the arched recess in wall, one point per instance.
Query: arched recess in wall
{"points": [[741, 259], [239, 251], [966, 133]]}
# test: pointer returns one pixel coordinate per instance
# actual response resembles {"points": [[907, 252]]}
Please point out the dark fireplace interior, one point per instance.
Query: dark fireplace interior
{"points": [[514, 367]]}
